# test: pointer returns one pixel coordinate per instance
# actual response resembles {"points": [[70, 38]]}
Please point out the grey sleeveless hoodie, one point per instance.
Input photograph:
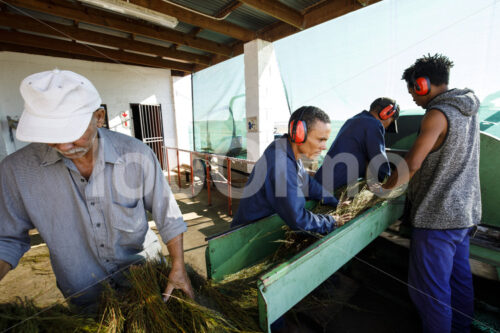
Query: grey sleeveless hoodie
{"points": [[445, 192]]}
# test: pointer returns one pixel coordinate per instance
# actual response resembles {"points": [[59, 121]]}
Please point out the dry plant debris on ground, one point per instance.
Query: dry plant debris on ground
{"points": [[227, 306]]}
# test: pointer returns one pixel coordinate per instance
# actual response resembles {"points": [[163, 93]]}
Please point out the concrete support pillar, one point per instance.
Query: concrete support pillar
{"points": [[265, 98]]}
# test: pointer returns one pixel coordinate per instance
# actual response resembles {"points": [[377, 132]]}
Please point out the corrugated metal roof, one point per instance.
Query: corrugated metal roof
{"points": [[300, 5], [215, 36], [152, 41], [184, 27], [200, 38], [190, 49], [206, 7], [38, 16], [244, 16], [250, 18], [99, 29]]}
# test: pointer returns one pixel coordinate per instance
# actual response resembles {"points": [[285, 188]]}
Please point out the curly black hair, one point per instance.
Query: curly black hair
{"points": [[309, 114], [435, 67]]}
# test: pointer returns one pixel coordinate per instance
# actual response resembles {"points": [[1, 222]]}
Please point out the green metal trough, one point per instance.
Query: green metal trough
{"points": [[288, 283]]}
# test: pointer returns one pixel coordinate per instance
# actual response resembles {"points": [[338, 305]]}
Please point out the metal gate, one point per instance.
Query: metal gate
{"points": [[152, 129]]}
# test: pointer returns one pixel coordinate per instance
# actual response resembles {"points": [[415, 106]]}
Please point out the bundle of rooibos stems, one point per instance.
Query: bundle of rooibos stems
{"points": [[226, 306], [138, 307]]}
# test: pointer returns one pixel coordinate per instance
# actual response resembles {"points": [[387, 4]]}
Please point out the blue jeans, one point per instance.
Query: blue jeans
{"points": [[440, 279]]}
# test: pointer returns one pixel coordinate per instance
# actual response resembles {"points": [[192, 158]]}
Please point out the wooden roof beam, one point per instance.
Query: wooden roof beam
{"points": [[194, 31], [314, 15], [199, 20], [60, 30], [331, 9], [324, 11], [40, 42], [278, 10], [228, 9], [33, 50], [104, 19], [57, 54]]}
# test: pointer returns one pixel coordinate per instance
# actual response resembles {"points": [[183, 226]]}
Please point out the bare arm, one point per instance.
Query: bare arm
{"points": [[432, 134], [178, 278], [4, 268]]}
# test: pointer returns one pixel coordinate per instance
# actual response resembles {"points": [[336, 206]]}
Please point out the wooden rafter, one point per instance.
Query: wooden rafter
{"points": [[205, 22], [195, 31], [278, 10], [228, 9], [331, 9], [54, 29], [58, 54], [104, 19], [33, 50], [314, 15], [40, 42]]}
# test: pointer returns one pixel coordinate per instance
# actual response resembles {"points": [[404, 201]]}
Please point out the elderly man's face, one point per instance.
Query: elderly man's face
{"points": [[316, 140], [85, 143]]}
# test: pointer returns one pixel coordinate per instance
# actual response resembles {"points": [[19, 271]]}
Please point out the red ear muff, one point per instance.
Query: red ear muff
{"points": [[422, 86], [387, 112], [298, 132]]}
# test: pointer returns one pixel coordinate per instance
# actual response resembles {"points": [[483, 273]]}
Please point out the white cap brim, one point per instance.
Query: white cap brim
{"points": [[32, 128]]}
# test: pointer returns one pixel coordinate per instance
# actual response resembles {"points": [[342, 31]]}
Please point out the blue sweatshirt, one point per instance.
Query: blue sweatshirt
{"points": [[360, 139], [279, 184]]}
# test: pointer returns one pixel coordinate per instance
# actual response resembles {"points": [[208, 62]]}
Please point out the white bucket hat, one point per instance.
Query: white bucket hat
{"points": [[58, 107]]}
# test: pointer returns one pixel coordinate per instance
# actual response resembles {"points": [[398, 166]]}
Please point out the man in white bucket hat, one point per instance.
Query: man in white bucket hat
{"points": [[86, 190]]}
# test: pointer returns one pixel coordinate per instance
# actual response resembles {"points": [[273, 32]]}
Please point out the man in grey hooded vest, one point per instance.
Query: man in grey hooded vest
{"points": [[443, 175]]}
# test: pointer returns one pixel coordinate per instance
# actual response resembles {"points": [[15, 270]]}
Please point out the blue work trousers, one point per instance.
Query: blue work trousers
{"points": [[440, 279]]}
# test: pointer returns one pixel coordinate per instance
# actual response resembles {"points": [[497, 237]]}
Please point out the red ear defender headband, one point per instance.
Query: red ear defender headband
{"points": [[422, 85], [298, 130], [388, 111]]}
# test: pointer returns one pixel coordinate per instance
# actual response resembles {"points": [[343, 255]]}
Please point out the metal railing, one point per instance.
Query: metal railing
{"points": [[208, 166]]}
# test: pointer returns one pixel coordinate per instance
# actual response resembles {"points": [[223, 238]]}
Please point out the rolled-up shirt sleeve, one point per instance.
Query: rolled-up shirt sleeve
{"points": [[14, 221], [160, 201], [319, 193]]}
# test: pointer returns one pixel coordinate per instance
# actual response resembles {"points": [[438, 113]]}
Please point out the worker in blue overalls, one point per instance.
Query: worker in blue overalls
{"points": [[359, 142], [279, 184]]}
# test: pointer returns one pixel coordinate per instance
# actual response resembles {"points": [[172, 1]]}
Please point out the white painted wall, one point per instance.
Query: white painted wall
{"points": [[183, 117], [119, 85]]}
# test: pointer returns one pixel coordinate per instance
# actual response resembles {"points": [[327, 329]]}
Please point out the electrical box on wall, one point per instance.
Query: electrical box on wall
{"points": [[125, 119], [252, 124]]}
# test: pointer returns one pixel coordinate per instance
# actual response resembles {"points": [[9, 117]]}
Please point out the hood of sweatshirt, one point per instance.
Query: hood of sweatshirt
{"points": [[463, 100]]}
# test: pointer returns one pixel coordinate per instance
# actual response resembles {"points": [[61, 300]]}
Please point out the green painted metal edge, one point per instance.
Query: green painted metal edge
{"points": [[489, 175], [242, 247], [484, 254], [291, 281]]}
